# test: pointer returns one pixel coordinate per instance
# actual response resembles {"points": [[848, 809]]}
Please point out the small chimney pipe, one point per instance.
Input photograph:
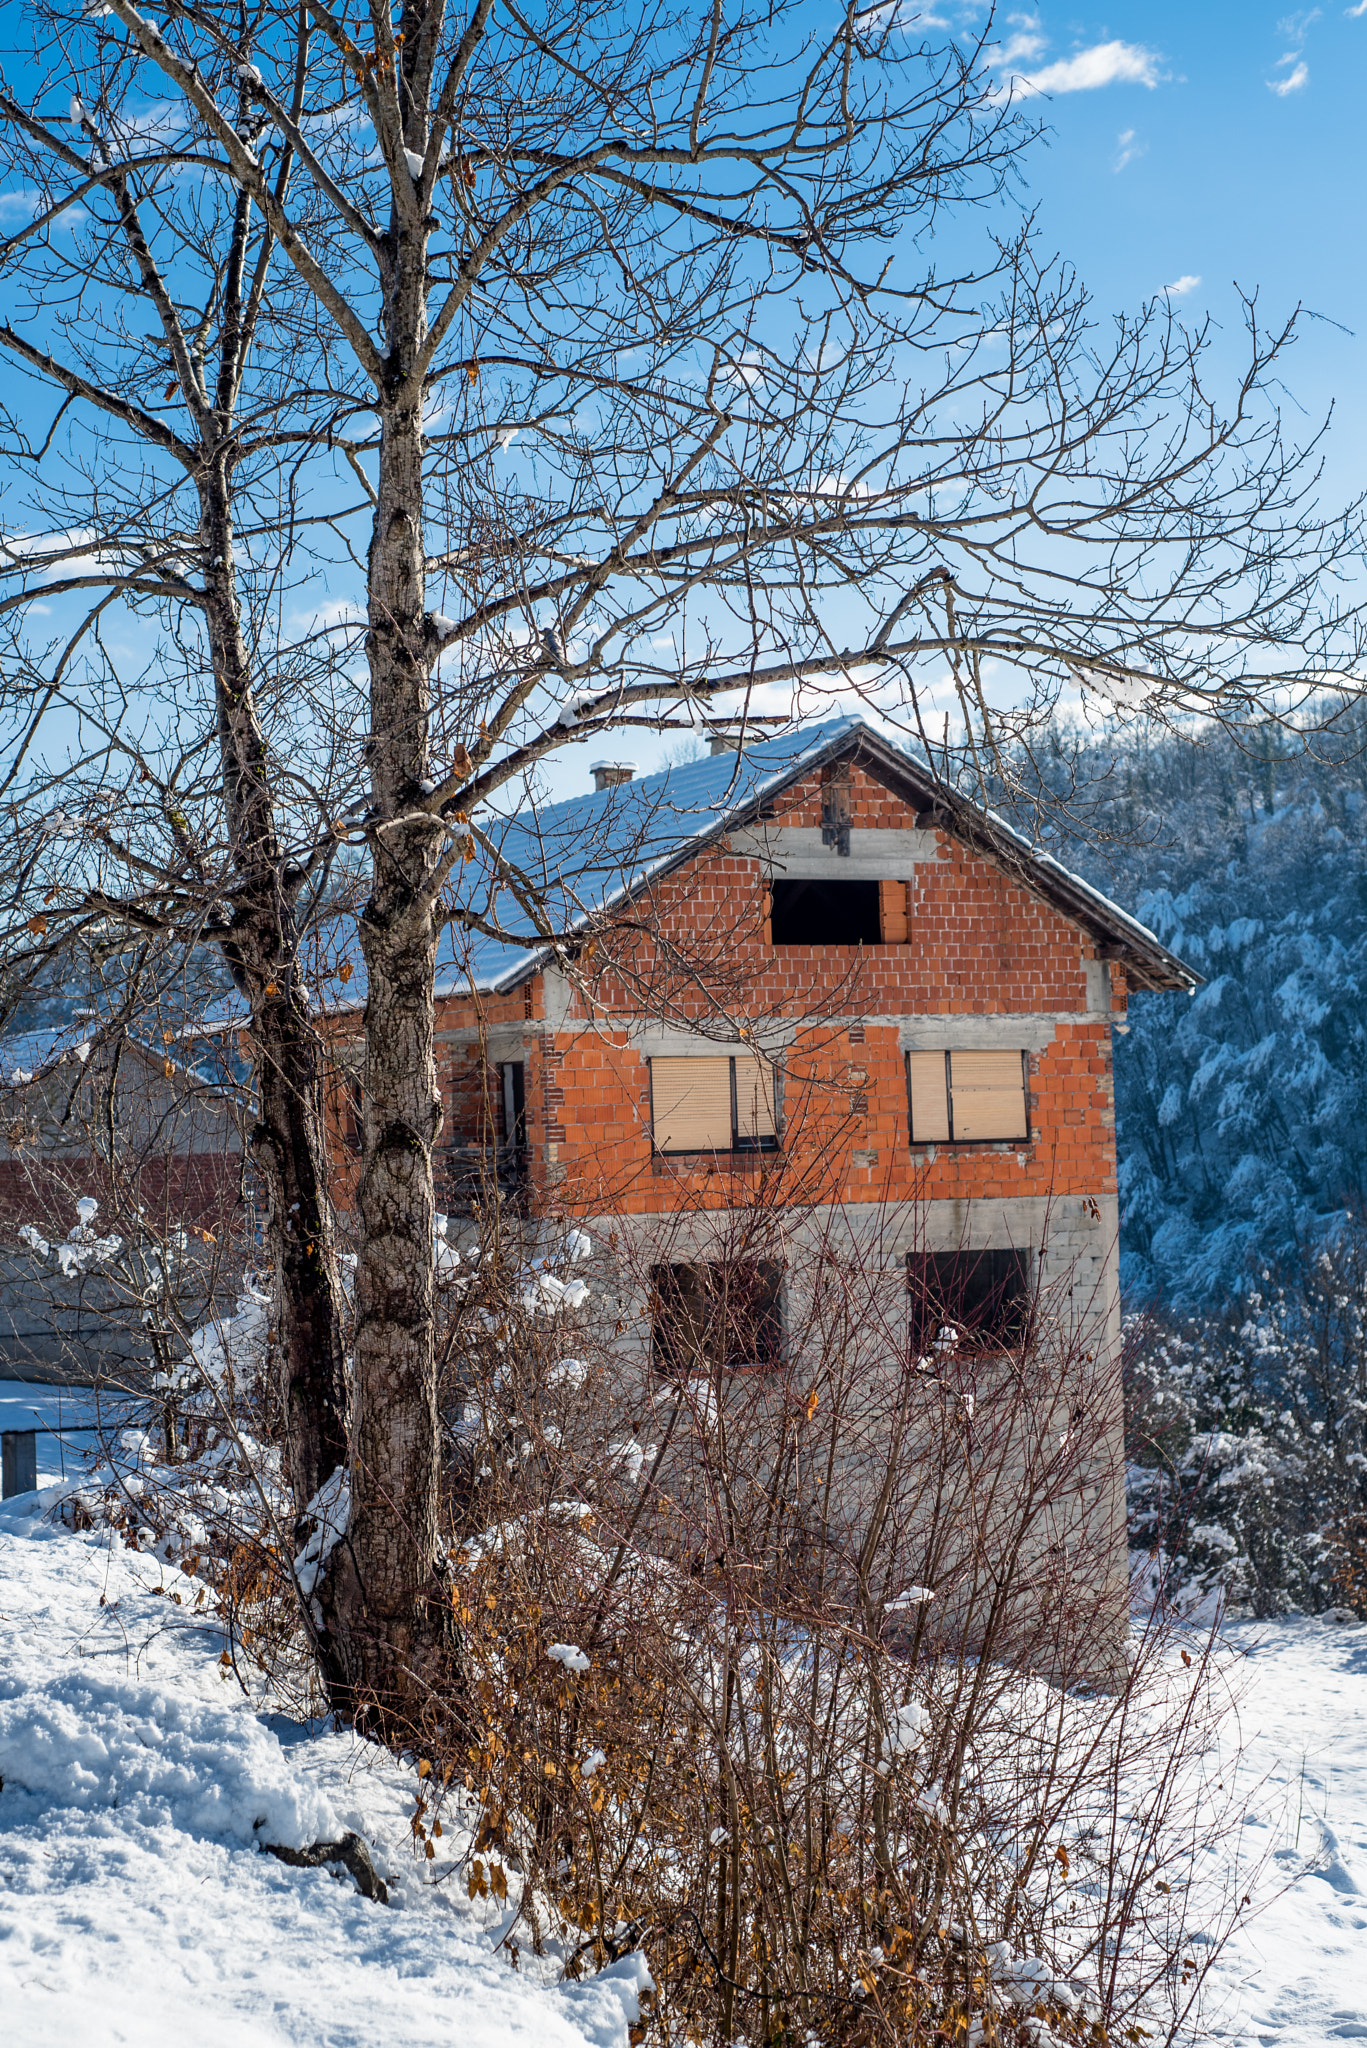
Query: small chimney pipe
{"points": [[609, 774]]}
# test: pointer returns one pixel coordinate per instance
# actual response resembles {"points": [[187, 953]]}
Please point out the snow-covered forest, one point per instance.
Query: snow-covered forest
{"points": [[1241, 1113]]}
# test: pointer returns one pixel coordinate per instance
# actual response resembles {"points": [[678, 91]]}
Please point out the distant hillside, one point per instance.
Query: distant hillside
{"points": [[1242, 1110]]}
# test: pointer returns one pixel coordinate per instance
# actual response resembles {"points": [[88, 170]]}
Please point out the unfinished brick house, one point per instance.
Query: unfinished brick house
{"points": [[810, 965], [803, 999]]}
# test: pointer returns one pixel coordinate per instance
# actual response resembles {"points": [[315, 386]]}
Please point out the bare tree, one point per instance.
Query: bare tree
{"points": [[144, 319], [670, 401]]}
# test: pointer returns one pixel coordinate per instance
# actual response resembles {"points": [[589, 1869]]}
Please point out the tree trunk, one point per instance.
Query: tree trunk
{"points": [[387, 1600], [290, 1152], [289, 1140], [387, 1605]]}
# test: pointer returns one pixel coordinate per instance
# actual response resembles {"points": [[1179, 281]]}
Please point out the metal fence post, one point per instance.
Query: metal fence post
{"points": [[19, 1448]]}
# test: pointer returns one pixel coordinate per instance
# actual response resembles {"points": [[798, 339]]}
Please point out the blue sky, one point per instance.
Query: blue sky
{"points": [[1217, 142], [1200, 147], [1212, 148]]}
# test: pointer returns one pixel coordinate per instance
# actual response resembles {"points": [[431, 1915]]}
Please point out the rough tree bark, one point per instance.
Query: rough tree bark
{"points": [[261, 941], [389, 1619], [390, 1622]]}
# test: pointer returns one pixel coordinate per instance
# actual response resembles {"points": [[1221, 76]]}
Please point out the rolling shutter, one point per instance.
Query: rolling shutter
{"points": [[754, 1100], [690, 1105], [988, 1096], [929, 1098]]}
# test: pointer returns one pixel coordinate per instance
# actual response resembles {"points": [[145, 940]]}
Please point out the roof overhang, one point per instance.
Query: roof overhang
{"points": [[1114, 934]]}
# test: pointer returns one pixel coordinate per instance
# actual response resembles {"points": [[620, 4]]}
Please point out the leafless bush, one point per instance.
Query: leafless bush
{"points": [[810, 1675], [792, 1651]]}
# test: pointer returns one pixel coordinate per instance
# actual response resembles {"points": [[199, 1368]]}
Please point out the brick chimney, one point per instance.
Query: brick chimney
{"points": [[607, 774]]}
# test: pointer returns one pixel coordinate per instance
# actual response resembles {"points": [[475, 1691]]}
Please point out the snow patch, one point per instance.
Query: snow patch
{"points": [[329, 1512], [568, 1654], [89, 1740], [139, 1788]]}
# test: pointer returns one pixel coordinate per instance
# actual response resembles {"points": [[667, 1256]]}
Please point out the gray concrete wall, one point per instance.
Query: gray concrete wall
{"points": [[1073, 1547], [89, 1329]]}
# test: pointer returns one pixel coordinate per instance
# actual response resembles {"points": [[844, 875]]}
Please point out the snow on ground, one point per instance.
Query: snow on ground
{"points": [[67, 1421], [136, 1904], [1294, 1974]]}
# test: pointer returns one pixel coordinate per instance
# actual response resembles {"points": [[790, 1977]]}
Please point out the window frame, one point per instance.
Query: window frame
{"points": [[771, 1274], [967, 1144], [353, 1135], [512, 1076], [741, 1146], [1016, 1298]]}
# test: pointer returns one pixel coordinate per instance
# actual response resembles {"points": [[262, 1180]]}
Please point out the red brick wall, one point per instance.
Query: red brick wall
{"points": [[979, 943], [201, 1190]]}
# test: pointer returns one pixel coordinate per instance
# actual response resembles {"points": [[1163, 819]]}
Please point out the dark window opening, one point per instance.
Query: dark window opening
{"points": [[727, 1313], [826, 914], [513, 1074], [984, 1297], [355, 1114]]}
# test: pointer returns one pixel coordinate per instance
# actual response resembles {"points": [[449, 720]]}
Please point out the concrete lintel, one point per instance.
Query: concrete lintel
{"points": [[795, 852], [557, 996], [1016, 1030], [657, 1042], [1064, 1225], [504, 1041], [1019, 1031]]}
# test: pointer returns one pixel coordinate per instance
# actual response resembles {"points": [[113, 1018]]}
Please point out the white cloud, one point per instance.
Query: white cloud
{"points": [[1293, 81], [1113, 63], [1356, 13], [1179, 288], [1028, 40], [1128, 145], [338, 615]]}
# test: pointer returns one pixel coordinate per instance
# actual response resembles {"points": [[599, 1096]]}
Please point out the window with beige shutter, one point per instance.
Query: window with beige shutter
{"points": [[928, 1098], [712, 1104], [986, 1096], [968, 1098], [690, 1105], [754, 1094]]}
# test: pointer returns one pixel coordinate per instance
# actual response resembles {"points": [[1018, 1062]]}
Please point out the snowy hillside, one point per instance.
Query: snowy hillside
{"points": [[1241, 1112], [137, 1902]]}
